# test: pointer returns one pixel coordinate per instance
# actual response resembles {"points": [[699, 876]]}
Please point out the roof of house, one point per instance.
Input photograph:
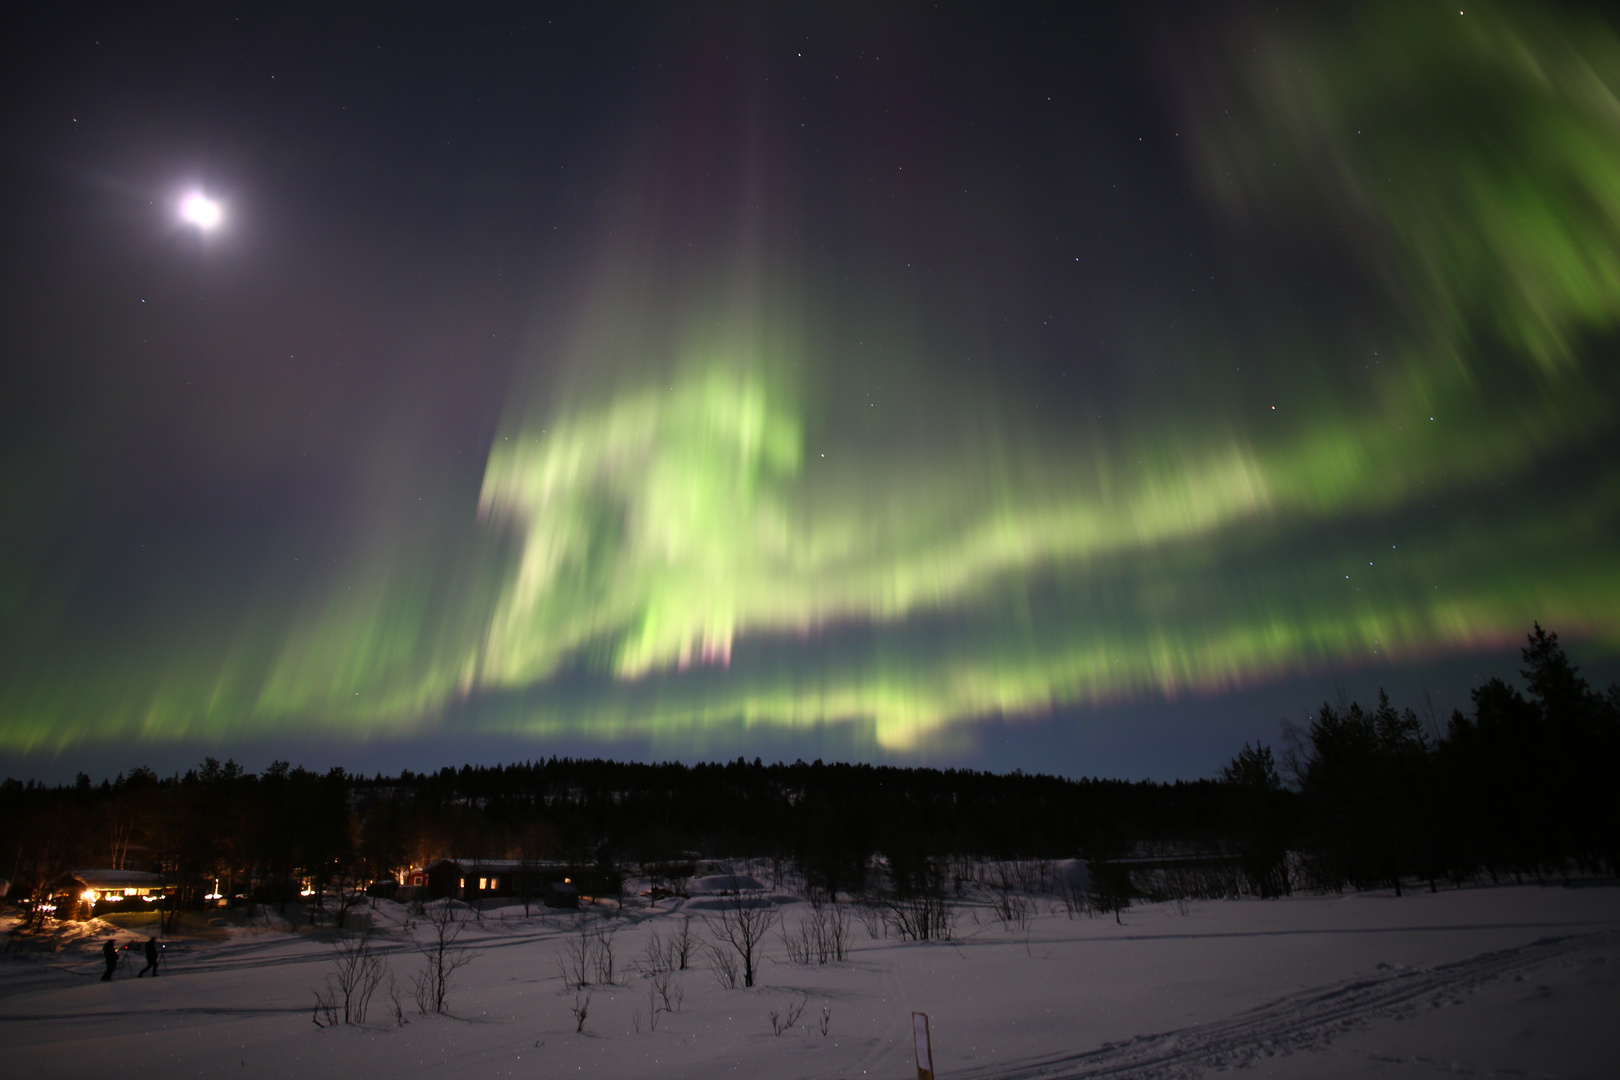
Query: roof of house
{"points": [[119, 879], [533, 865]]}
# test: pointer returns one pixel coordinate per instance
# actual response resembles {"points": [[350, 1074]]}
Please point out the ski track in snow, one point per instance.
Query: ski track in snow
{"points": [[1304, 1021]]}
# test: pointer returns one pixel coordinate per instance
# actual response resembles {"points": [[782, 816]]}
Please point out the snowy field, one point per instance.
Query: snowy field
{"points": [[1505, 981]]}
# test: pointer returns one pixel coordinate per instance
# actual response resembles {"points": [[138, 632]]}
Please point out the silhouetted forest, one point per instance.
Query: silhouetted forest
{"points": [[1360, 798], [1523, 787]]}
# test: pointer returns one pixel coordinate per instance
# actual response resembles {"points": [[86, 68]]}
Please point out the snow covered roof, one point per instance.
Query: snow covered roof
{"points": [[533, 865], [715, 884], [119, 879]]}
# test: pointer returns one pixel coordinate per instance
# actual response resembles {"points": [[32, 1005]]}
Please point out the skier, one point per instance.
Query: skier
{"points": [[151, 958], [109, 953]]}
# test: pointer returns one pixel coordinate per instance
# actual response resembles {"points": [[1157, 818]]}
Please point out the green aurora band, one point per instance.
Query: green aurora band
{"points": [[676, 545]]}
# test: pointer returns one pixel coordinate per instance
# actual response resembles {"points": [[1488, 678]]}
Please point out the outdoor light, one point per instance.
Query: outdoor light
{"points": [[88, 895]]}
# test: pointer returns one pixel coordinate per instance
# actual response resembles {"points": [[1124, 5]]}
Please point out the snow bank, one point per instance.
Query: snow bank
{"points": [[1477, 979]]}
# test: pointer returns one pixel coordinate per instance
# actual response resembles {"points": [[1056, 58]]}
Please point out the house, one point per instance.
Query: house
{"points": [[463, 879], [83, 894], [475, 879]]}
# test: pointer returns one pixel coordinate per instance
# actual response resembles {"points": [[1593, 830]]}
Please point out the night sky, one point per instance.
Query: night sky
{"points": [[1079, 389]]}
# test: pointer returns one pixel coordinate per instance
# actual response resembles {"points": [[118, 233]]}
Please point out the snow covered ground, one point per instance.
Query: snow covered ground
{"points": [[1518, 980]]}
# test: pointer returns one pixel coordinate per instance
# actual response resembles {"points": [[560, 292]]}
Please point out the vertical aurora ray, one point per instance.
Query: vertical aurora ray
{"points": [[683, 527], [1469, 157], [782, 553]]}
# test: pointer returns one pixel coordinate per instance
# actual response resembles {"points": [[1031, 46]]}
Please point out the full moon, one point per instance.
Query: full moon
{"points": [[200, 210]]}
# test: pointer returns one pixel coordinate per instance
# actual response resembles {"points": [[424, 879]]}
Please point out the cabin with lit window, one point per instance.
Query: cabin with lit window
{"points": [[555, 884], [84, 894]]}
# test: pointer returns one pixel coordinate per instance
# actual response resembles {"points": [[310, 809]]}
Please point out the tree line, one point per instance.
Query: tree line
{"points": [[1361, 797], [1520, 787]]}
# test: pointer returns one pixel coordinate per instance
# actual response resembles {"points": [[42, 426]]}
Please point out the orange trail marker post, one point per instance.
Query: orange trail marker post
{"points": [[925, 1053]]}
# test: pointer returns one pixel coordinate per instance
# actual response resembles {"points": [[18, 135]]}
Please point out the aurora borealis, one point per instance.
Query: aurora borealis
{"points": [[678, 378]]}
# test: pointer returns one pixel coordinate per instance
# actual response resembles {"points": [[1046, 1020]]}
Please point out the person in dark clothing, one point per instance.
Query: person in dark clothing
{"points": [[151, 958], [109, 953]]}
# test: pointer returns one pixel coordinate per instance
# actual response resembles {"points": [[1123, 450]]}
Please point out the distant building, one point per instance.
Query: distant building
{"points": [[474, 879], [83, 894]]}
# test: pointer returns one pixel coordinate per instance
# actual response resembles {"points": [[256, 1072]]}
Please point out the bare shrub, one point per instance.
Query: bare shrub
{"points": [[395, 1006], [667, 985], [827, 933], [681, 946], [1110, 887], [797, 941], [348, 894], [1013, 886], [574, 964], [836, 935], [422, 993], [664, 995], [1008, 886], [782, 1019], [1034, 875], [442, 956], [602, 955], [741, 923], [325, 1014], [923, 916], [588, 955], [963, 872], [581, 1009], [1070, 890], [723, 962], [656, 957], [916, 907], [1208, 878], [871, 916], [822, 935], [358, 971]]}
